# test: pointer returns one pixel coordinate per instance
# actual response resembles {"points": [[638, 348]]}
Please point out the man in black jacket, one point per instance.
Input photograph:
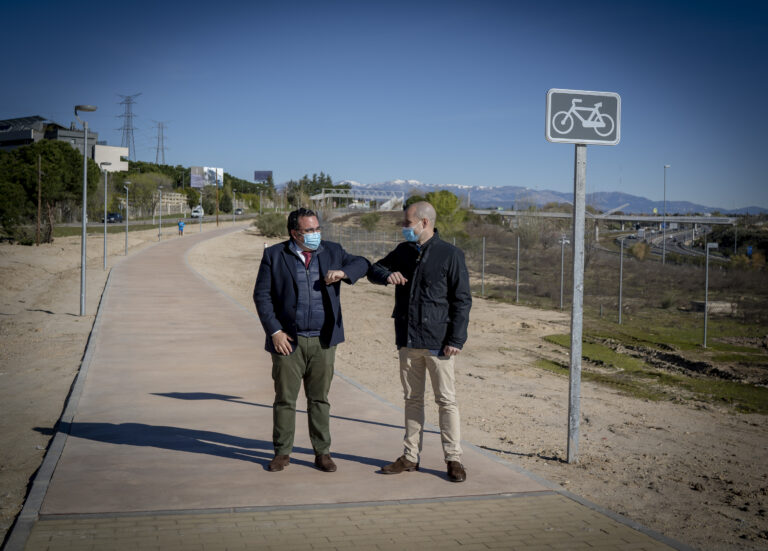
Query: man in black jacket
{"points": [[297, 296], [432, 303]]}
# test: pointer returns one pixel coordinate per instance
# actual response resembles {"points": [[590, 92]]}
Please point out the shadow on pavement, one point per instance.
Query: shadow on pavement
{"points": [[238, 400], [196, 441]]}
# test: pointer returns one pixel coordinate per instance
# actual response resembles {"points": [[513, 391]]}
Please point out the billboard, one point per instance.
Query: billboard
{"points": [[197, 178], [214, 176], [260, 176]]}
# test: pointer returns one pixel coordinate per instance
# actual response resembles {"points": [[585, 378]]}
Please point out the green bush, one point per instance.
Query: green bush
{"points": [[272, 225], [370, 220]]}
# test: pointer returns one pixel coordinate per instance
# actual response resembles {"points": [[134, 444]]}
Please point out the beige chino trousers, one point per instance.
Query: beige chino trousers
{"points": [[414, 365]]}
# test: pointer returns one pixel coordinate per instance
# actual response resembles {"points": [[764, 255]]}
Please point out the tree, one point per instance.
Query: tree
{"points": [[61, 184], [414, 199], [450, 216], [193, 197], [225, 201]]}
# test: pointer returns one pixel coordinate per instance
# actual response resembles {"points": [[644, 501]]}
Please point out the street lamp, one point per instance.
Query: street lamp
{"points": [[84, 216], [664, 220], [706, 290], [160, 227], [125, 186], [104, 172]]}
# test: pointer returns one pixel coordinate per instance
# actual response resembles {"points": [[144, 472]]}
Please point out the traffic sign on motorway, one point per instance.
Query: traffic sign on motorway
{"points": [[581, 117]]}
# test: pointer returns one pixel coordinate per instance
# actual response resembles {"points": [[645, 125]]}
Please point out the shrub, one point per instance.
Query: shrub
{"points": [[370, 220], [272, 225], [640, 250]]}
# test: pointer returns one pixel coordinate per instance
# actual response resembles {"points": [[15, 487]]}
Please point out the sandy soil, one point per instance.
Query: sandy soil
{"points": [[690, 471]]}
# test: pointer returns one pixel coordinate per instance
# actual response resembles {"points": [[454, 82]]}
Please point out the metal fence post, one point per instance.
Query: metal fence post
{"points": [[621, 275], [517, 269], [482, 273]]}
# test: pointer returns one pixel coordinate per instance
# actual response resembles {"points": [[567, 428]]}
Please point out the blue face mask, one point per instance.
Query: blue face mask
{"points": [[410, 235], [312, 240]]}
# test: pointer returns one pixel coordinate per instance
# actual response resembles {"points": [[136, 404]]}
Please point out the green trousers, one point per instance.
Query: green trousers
{"points": [[311, 363]]}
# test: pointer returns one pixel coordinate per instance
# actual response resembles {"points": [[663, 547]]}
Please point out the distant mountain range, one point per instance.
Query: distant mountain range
{"points": [[510, 197]]}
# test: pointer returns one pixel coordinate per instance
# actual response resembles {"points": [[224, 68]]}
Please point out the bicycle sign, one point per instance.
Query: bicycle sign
{"points": [[577, 116]]}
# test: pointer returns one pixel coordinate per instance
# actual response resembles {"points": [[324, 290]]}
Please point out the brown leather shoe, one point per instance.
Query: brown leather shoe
{"points": [[325, 463], [402, 464], [456, 472], [279, 463]]}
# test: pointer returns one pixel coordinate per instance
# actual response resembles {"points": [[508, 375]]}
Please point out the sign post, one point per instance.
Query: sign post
{"points": [[580, 118]]}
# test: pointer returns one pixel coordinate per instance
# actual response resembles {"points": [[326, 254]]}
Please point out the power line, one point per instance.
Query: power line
{"points": [[160, 151], [127, 128]]}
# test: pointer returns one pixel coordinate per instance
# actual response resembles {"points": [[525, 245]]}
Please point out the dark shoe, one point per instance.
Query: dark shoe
{"points": [[325, 463], [279, 463], [402, 464], [456, 472]]}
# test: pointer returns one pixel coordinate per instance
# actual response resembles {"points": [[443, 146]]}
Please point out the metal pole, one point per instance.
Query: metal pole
{"points": [[664, 221], [39, 196], [706, 294], [482, 276], [735, 235], [517, 275], [126, 220], [621, 275], [562, 268], [84, 219], [160, 227], [574, 387], [105, 218], [234, 202]]}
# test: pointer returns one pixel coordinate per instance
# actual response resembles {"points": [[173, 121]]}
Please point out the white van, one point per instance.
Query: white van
{"points": [[197, 212]]}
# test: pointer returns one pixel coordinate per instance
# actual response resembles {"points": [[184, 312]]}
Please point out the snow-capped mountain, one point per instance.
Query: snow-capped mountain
{"points": [[510, 197]]}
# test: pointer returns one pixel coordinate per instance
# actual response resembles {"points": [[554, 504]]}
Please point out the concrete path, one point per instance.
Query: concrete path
{"points": [[167, 435]]}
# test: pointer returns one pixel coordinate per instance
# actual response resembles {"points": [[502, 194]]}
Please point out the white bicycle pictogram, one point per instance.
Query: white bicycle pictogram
{"points": [[603, 124]]}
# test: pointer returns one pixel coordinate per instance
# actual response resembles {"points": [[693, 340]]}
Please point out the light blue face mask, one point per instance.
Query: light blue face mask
{"points": [[410, 235], [312, 240]]}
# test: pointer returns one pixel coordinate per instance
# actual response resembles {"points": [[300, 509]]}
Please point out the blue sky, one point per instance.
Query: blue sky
{"points": [[449, 92]]}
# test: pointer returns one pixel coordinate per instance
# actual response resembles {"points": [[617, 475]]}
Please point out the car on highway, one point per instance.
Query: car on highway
{"points": [[238, 211], [197, 212], [113, 217]]}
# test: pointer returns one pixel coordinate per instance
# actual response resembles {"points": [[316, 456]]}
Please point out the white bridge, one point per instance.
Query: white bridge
{"points": [[386, 200]]}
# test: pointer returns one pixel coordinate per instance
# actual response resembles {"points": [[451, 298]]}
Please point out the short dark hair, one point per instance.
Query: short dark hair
{"points": [[293, 218]]}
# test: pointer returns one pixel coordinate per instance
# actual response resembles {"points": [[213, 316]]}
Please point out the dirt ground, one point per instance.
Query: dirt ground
{"points": [[692, 471]]}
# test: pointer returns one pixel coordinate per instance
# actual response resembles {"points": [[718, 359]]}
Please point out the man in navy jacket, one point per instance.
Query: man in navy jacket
{"points": [[297, 297]]}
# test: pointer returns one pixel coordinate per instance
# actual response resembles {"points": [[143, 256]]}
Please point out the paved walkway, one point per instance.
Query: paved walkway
{"points": [[166, 437]]}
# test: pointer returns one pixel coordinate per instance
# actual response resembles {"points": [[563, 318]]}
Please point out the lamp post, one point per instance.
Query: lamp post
{"points": [[664, 220], [160, 226], [234, 204], [84, 216], [125, 186], [706, 290], [104, 172]]}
